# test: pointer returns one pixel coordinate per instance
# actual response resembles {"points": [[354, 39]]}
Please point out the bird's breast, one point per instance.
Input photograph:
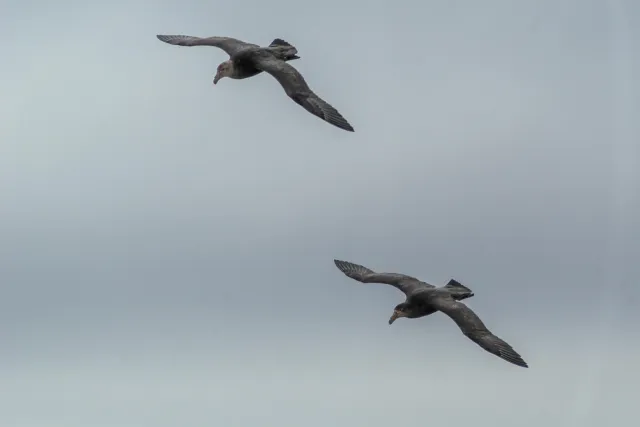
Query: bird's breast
{"points": [[243, 69]]}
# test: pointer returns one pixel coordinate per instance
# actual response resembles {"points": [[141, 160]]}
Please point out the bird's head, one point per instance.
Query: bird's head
{"points": [[224, 70], [401, 310]]}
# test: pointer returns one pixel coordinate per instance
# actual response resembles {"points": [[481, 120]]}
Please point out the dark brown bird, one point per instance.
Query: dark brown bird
{"points": [[424, 299], [247, 60]]}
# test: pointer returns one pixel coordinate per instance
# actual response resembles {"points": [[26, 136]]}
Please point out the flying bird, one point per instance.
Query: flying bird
{"points": [[424, 299], [247, 60]]}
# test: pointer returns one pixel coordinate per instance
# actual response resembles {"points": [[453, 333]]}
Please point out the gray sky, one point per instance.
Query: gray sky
{"points": [[166, 246]]}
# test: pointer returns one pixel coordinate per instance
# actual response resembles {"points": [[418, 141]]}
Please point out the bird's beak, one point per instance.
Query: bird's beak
{"points": [[394, 316], [215, 79]]}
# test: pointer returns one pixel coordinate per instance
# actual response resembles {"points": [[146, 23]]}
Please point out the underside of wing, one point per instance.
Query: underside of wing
{"points": [[320, 108], [298, 90], [406, 284], [500, 348], [228, 44], [474, 329]]}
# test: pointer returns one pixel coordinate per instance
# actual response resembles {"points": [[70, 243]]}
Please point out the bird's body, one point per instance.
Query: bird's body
{"points": [[248, 60], [244, 58], [423, 299]]}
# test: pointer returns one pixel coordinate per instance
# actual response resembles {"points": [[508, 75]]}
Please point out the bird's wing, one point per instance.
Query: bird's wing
{"points": [[297, 89], [472, 327], [228, 44], [406, 284]]}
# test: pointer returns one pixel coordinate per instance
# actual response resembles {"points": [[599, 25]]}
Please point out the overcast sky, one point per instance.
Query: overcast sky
{"points": [[167, 246]]}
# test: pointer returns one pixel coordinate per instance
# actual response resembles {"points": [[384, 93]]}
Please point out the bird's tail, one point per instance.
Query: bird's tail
{"points": [[283, 50], [458, 290], [280, 42]]}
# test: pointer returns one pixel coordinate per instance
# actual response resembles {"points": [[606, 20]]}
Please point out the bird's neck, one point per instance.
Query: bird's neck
{"points": [[231, 69]]}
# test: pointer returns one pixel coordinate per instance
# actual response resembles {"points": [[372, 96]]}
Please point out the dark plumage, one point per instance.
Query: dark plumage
{"points": [[424, 299], [247, 60]]}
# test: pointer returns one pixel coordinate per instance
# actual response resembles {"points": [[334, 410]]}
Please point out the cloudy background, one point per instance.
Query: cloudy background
{"points": [[166, 247]]}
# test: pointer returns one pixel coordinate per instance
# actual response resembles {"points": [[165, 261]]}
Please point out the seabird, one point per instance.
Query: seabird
{"points": [[247, 60], [424, 299]]}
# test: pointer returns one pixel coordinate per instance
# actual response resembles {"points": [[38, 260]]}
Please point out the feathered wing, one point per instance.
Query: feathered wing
{"points": [[228, 44], [297, 89], [406, 284], [472, 327]]}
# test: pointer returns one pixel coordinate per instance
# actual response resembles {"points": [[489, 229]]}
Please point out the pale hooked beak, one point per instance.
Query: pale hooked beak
{"points": [[215, 79], [394, 316]]}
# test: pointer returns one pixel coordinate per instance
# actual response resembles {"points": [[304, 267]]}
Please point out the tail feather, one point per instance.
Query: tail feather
{"points": [[283, 50], [279, 42], [458, 290]]}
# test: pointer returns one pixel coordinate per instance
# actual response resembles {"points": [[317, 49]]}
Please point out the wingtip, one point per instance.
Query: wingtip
{"points": [[167, 38], [340, 123], [345, 126], [343, 266], [515, 358]]}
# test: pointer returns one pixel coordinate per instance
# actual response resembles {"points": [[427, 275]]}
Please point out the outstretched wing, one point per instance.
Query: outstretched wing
{"points": [[297, 89], [228, 44], [472, 327], [406, 284]]}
